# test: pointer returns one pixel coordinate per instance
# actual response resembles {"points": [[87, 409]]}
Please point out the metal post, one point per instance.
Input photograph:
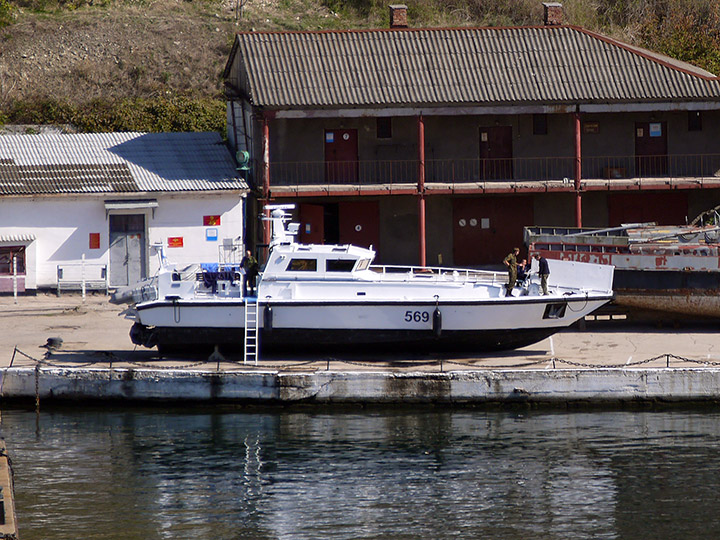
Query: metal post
{"points": [[266, 176], [14, 274], [82, 276], [578, 172], [421, 189]]}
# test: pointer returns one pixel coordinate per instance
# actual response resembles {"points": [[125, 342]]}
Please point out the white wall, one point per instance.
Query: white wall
{"points": [[183, 216], [62, 227]]}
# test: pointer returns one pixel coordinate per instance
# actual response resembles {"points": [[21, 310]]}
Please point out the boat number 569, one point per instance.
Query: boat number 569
{"points": [[417, 316]]}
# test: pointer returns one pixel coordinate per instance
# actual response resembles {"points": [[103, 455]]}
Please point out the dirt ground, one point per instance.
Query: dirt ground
{"points": [[129, 49], [94, 333]]}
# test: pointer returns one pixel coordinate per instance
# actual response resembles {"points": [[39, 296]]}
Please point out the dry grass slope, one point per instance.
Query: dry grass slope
{"points": [[94, 61]]}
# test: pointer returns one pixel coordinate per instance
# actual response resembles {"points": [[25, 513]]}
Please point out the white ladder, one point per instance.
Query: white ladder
{"points": [[252, 336]]}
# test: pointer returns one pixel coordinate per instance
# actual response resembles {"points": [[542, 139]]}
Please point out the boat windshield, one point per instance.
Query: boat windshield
{"points": [[339, 265], [302, 265]]}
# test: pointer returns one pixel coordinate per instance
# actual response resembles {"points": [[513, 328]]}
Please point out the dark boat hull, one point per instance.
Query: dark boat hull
{"points": [[693, 293], [303, 340]]}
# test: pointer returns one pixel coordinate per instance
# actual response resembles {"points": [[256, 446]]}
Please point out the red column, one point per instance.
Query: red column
{"points": [[266, 177], [578, 171], [421, 189]]}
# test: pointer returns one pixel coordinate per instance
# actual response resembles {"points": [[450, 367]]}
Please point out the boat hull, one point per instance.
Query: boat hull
{"points": [[692, 293], [423, 326]]}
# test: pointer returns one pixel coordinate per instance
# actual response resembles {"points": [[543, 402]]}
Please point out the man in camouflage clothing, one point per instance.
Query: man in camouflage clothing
{"points": [[511, 262]]}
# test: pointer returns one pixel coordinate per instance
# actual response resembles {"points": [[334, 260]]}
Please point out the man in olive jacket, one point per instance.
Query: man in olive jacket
{"points": [[511, 262], [250, 265]]}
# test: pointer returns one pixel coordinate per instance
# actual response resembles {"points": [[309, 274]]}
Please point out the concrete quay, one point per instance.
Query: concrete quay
{"points": [[610, 361]]}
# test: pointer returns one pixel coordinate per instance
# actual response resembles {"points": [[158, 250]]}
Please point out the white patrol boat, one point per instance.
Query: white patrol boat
{"points": [[331, 296]]}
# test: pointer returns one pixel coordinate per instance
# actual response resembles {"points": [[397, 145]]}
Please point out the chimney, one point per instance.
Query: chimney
{"points": [[553, 13], [398, 16]]}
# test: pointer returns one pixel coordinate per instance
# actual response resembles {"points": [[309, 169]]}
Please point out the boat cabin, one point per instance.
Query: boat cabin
{"points": [[299, 262]]}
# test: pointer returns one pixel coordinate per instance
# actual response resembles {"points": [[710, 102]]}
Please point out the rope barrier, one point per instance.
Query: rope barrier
{"points": [[109, 357]]}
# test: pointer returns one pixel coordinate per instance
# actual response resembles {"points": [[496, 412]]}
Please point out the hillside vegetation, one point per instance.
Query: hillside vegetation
{"points": [[156, 65]]}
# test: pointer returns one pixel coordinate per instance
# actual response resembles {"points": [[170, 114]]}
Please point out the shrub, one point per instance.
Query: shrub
{"points": [[6, 13], [688, 31], [176, 113]]}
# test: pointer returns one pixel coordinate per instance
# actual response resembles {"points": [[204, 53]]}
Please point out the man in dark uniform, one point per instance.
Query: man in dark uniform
{"points": [[250, 265], [543, 272], [511, 262]]}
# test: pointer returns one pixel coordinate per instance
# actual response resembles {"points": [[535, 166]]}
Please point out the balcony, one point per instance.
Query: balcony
{"points": [[497, 175]]}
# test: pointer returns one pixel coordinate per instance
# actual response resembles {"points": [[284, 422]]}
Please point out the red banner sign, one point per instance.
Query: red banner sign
{"points": [[94, 240], [175, 241]]}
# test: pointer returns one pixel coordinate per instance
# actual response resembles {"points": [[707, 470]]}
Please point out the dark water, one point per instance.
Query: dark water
{"points": [[380, 475]]}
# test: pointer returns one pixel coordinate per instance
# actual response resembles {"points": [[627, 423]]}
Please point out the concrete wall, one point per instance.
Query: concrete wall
{"points": [[458, 137], [557, 386], [399, 230], [62, 225], [701, 200], [554, 209]]}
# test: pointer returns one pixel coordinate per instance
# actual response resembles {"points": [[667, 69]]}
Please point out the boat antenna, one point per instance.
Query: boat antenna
{"points": [[160, 250], [279, 216]]}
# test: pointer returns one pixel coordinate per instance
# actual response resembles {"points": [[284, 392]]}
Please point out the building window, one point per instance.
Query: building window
{"points": [[6, 259], [539, 124], [694, 121], [384, 128]]}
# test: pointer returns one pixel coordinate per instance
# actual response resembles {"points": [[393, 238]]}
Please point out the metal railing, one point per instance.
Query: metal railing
{"points": [[81, 277], [463, 171], [437, 274]]}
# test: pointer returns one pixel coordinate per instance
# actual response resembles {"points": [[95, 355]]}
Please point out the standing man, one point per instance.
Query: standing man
{"points": [[511, 262], [250, 265], [543, 271]]}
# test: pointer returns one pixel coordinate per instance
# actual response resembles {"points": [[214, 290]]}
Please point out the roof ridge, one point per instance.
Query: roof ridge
{"points": [[406, 30]]}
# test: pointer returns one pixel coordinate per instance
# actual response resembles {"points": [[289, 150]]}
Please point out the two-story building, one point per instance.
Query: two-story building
{"points": [[439, 145]]}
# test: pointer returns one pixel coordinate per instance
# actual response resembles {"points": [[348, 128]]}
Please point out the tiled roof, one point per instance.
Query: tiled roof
{"points": [[115, 163], [434, 67]]}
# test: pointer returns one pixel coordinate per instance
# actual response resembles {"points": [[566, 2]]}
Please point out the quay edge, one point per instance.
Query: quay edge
{"points": [[556, 386]]}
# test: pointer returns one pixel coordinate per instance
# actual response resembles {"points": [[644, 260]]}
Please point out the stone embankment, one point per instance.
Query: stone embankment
{"points": [[607, 362]]}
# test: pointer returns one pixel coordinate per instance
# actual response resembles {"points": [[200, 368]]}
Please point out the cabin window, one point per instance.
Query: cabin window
{"points": [[339, 265], [363, 264], [6, 259], [302, 265]]}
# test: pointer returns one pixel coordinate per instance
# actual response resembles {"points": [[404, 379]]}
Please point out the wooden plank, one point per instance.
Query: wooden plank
{"points": [[8, 527]]}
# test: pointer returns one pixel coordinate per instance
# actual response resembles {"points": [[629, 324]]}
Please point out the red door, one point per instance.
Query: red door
{"points": [[312, 224], [496, 153], [668, 208], [651, 149], [359, 223], [485, 229], [341, 156]]}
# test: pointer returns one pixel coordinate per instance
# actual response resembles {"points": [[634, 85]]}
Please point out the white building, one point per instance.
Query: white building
{"points": [[94, 205]]}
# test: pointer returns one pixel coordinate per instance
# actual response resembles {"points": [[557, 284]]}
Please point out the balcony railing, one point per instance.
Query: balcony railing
{"points": [[464, 171]]}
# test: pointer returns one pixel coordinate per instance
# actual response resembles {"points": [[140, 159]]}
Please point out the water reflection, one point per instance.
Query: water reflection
{"points": [[426, 474]]}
